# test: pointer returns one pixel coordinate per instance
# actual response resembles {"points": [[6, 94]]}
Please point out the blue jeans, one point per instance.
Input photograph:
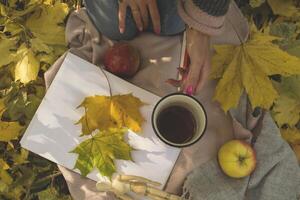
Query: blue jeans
{"points": [[104, 15]]}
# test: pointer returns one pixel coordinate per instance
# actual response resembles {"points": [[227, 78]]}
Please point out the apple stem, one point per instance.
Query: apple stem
{"points": [[242, 159]]}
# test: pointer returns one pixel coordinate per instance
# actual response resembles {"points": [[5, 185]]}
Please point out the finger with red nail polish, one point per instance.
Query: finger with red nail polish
{"points": [[190, 90]]}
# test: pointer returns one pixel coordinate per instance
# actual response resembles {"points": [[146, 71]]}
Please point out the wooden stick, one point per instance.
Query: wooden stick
{"points": [[162, 194], [132, 178], [155, 197]]}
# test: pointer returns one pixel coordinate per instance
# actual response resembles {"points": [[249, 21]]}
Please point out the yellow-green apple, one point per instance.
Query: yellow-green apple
{"points": [[237, 158]]}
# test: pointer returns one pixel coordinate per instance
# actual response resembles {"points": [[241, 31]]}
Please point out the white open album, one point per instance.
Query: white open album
{"points": [[52, 132]]}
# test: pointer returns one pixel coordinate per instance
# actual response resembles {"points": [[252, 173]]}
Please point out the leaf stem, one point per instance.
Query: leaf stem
{"points": [[236, 32], [86, 120], [108, 82]]}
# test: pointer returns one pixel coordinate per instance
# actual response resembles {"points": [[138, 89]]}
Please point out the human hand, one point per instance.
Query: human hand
{"points": [[196, 75], [140, 11]]}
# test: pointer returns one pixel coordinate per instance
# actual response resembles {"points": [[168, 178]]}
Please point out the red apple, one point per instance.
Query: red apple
{"points": [[122, 60]]}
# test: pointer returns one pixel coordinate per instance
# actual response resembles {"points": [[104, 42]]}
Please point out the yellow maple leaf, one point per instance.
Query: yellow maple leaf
{"points": [[5, 177], [286, 108], [20, 158], [39, 46], [246, 68], [45, 53], [6, 47], [8, 130], [59, 50], [291, 135], [13, 28], [105, 112], [256, 3], [27, 68], [29, 6], [45, 25], [3, 10], [285, 8], [3, 164], [220, 63], [296, 149]]}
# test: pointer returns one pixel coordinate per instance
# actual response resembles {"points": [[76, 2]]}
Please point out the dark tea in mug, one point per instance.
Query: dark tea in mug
{"points": [[179, 120], [176, 124]]}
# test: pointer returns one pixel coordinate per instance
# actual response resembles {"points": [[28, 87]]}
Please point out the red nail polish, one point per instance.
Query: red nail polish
{"points": [[157, 31], [189, 90]]}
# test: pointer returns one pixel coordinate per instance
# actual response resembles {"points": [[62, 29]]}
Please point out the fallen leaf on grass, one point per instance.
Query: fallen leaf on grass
{"points": [[45, 24], [52, 194], [283, 29], [296, 149], [285, 8], [286, 108], [256, 3], [5, 177], [247, 67], [20, 158], [292, 47], [6, 47], [28, 66], [3, 164], [291, 135], [8, 130]]}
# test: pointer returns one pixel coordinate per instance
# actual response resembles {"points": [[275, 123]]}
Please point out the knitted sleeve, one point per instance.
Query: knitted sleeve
{"points": [[213, 7], [207, 16]]}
